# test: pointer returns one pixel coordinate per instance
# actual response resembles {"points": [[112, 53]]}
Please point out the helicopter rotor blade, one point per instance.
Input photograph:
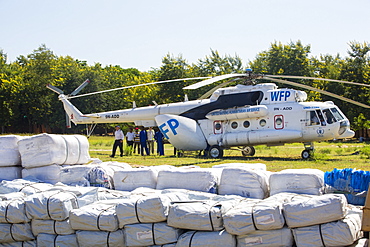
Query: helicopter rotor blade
{"points": [[54, 89], [207, 94], [139, 85], [316, 78], [79, 88], [213, 79], [317, 90]]}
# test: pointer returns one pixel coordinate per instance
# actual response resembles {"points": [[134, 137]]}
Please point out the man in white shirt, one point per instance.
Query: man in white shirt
{"points": [[150, 133], [118, 142], [130, 136]]}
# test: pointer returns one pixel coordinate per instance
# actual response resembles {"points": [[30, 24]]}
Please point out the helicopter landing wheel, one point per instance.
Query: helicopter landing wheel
{"points": [[306, 154], [216, 152], [248, 151]]}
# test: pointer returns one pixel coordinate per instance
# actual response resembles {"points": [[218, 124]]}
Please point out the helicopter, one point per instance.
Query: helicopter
{"points": [[236, 117]]}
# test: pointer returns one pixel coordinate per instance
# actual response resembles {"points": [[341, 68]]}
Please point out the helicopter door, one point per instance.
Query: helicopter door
{"points": [[217, 127], [279, 122]]}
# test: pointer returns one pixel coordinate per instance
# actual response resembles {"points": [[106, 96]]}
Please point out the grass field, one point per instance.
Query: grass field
{"points": [[328, 155]]}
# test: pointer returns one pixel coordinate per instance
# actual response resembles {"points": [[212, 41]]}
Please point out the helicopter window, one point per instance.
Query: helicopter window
{"points": [[336, 114], [246, 124], [313, 118], [263, 122], [329, 116], [234, 125], [217, 126], [321, 117]]}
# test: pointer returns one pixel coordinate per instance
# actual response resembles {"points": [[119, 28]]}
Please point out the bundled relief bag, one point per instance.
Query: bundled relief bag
{"points": [[146, 209], [31, 243], [150, 234], [337, 233], [76, 175], [84, 155], [102, 174], [13, 211], [270, 238], [10, 173], [15, 233], [201, 239], [47, 174], [51, 227], [99, 216], [47, 240], [12, 196], [9, 151], [198, 179], [56, 203], [314, 210], [42, 150], [100, 238], [300, 181], [27, 186], [196, 215], [244, 182], [130, 179]]}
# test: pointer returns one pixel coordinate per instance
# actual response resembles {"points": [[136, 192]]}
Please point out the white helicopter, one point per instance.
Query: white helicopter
{"points": [[239, 117]]}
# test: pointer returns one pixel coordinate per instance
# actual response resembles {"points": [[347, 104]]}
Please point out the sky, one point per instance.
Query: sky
{"points": [[138, 34]]}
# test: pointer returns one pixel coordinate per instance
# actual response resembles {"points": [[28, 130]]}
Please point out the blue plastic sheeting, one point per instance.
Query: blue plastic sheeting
{"points": [[353, 183]]}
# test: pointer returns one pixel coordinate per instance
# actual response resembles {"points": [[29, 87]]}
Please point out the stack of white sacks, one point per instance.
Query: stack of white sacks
{"points": [[227, 205], [10, 162]]}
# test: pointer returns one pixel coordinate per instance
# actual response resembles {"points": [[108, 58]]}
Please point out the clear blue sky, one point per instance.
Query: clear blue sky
{"points": [[138, 34]]}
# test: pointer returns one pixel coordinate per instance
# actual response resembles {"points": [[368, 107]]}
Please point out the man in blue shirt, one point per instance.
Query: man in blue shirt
{"points": [[143, 141]]}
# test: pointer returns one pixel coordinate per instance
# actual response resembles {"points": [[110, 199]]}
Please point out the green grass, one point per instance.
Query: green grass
{"points": [[327, 156]]}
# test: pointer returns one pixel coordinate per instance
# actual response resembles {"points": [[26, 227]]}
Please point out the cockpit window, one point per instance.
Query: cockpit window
{"points": [[336, 114], [329, 116]]}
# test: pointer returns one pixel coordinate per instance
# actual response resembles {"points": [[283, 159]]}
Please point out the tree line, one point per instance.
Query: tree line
{"points": [[27, 106]]}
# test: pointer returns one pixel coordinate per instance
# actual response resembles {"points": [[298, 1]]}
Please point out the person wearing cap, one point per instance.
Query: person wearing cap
{"points": [[118, 142]]}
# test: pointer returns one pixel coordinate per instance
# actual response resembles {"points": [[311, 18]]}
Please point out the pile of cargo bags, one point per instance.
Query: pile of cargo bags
{"points": [[63, 201]]}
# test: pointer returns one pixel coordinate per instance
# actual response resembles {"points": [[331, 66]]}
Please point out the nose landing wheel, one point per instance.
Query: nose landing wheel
{"points": [[307, 153]]}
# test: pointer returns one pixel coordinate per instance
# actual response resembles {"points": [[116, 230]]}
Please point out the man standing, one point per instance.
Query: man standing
{"points": [[159, 139], [151, 140], [130, 136], [143, 141], [118, 142]]}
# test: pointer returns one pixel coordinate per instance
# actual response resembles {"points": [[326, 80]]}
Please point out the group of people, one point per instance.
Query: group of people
{"points": [[140, 141]]}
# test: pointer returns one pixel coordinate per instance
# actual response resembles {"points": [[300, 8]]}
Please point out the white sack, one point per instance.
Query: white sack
{"points": [[10, 173], [13, 211], [51, 227], [42, 150], [146, 209], [72, 149], [206, 239], [100, 238], [99, 216], [47, 240], [76, 175], [9, 151], [315, 210], [150, 234], [84, 155], [196, 215], [102, 174], [50, 205], [47, 174], [15, 233], [129, 180], [337, 233], [253, 166], [244, 182], [270, 238], [107, 194], [300, 181], [198, 179], [84, 195], [31, 243], [28, 186]]}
